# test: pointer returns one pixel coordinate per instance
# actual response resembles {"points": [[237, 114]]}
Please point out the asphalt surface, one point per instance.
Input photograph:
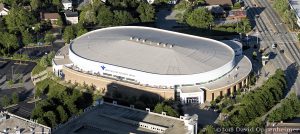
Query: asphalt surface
{"points": [[269, 26]]}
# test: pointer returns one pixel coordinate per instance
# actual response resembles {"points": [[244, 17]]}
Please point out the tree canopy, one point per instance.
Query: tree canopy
{"points": [[146, 11], [162, 107], [19, 19], [258, 102], [61, 103], [200, 18]]}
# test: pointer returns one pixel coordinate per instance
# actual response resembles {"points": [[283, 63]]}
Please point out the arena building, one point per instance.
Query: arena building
{"points": [[154, 60]]}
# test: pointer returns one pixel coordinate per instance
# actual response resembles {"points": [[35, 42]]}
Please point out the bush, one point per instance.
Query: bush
{"points": [[237, 5], [254, 55], [37, 69], [5, 101], [15, 98], [162, 107]]}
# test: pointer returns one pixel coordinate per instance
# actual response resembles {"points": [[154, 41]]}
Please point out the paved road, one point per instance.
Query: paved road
{"points": [[269, 25]]}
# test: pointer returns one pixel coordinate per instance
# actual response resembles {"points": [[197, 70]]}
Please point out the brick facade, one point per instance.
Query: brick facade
{"points": [[103, 85]]}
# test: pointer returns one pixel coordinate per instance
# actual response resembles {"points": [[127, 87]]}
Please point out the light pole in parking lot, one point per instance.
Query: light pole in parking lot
{"points": [[257, 34], [12, 73]]}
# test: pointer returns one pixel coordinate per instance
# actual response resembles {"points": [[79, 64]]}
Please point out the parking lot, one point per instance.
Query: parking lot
{"points": [[19, 72], [39, 51]]}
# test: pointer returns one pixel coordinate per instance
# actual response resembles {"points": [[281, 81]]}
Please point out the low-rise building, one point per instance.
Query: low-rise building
{"points": [[295, 5], [224, 3], [113, 118], [237, 14], [3, 10], [10, 123], [52, 17], [67, 4], [71, 17], [190, 94]]}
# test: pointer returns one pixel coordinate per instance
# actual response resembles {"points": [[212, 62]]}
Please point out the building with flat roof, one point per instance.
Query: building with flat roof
{"points": [[10, 123], [152, 59], [117, 119], [295, 5]]}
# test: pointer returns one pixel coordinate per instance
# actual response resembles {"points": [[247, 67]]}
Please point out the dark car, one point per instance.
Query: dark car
{"points": [[281, 51]]}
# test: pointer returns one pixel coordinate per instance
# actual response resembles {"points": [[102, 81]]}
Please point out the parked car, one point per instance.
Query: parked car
{"points": [[274, 45]]}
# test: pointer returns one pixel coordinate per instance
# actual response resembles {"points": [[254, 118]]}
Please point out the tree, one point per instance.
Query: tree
{"points": [[8, 42], [281, 6], [246, 25], [5, 101], [88, 16], [37, 112], [81, 32], [18, 19], [123, 18], [35, 4], [183, 5], [209, 129], [69, 34], [62, 114], [43, 61], [237, 5], [80, 29], [105, 16], [59, 22], [27, 37], [159, 108], [56, 2], [49, 37], [146, 11], [200, 18], [38, 93], [162, 107], [50, 116], [15, 98]]}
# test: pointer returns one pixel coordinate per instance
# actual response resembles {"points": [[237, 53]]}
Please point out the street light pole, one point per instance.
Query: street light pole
{"points": [[241, 36]]}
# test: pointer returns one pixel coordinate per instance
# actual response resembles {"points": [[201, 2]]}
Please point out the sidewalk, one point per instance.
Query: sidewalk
{"points": [[265, 72]]}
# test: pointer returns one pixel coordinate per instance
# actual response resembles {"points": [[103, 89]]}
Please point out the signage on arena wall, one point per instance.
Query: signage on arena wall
{"points": [[116, 72]]}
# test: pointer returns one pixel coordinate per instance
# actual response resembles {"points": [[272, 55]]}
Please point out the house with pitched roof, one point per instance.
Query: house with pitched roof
{"points": [[3, 10]]}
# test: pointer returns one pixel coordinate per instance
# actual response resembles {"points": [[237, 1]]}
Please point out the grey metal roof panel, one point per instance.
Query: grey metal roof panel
{"points": [[190, 54]]}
